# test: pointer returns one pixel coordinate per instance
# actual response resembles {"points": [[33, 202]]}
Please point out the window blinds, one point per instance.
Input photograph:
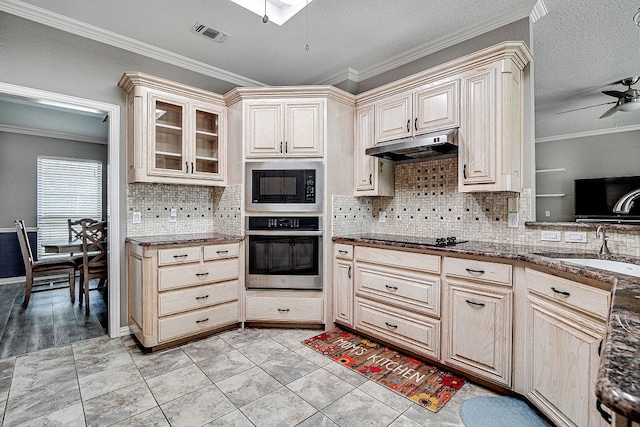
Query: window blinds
{"points": [[67, 188]]}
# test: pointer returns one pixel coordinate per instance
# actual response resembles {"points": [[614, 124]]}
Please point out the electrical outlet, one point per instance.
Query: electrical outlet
{"points": [[173, 215], [382, 216], [137, 218], [575, 236], [550, 236], [513, 220]]}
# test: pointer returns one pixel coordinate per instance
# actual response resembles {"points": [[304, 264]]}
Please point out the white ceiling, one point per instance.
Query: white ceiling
{"points": [[581, 46]]}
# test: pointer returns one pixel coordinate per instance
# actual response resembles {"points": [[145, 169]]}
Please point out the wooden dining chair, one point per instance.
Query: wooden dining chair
{"points": [[94, 258], [41, 268], [75, 234]]}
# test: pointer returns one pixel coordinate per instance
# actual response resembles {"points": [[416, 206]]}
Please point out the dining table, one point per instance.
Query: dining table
{"points": [[74, 246]]}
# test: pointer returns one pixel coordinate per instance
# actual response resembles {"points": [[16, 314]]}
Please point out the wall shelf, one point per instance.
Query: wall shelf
{"points": [[551, 170]]}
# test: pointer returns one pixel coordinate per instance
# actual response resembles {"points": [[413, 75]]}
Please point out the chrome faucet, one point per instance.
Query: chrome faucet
{"points": [[600, 234], [624, 205]]}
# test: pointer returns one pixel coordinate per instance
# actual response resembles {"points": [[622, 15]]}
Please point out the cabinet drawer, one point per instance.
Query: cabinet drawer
{"points": [[228, 250], [410, 290], [194, 322], [411, 260], [197, 297], [343, 251], [413, 332], [482, 271], [284, 309], [576, 295], [179, 255], [189, 275]]}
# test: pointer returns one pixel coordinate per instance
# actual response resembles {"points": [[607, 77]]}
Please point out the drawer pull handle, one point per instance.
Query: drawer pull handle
{"points": [[472, 271], [202, 297], [202, 321], [566, 294], [391, 288], [222, 252], [180, 256], [342, 252], [202, 274], [389, 325], [477, 304], [349, 272], [283, 310]]}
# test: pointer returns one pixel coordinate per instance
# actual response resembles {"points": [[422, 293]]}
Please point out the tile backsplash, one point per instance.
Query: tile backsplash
{"points": [[199, 209], [427, 203]]}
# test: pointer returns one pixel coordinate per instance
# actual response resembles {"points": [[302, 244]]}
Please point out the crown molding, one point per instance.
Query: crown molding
{"points": [[52, 134], [341, 76], [598, 132], [539, 10], [284, 92], [60, 22]]}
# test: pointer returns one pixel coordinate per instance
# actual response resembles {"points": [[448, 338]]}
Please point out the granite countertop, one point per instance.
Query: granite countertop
{"points": [[618, 383], [182, 239]]}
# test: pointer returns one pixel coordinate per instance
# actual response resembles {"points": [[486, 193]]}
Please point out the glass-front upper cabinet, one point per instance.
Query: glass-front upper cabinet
{"points": [[175, 133], [169, 148]]}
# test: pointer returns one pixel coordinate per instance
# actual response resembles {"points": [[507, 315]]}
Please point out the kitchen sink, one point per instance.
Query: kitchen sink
{"points": [[605, 264]]}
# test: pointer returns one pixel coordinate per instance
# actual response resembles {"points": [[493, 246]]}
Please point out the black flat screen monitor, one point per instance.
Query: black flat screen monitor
{"points": [[596, 197]]}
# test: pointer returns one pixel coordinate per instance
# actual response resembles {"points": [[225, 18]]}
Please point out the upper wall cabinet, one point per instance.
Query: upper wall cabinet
{"points": [[175, 133], [428, 108], [287, 128], [372, 176], [490, 136]]}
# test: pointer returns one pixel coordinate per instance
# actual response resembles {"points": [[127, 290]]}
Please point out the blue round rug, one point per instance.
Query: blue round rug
{"points": [[503, 411]]}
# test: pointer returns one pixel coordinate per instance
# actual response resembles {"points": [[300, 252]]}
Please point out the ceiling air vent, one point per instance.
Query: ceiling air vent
{"points": [[212, 33]]}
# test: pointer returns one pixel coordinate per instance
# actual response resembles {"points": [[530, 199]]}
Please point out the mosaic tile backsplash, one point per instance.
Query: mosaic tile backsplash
{"points": [[427, 203], [199, 209]]}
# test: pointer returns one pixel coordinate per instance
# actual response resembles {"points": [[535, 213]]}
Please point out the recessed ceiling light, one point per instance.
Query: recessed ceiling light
{"points": [[279, 11]]}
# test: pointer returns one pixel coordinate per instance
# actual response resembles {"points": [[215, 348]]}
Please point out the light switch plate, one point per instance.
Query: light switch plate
{"points": [[137, 218], [173, 214], [382, 216], [575, 236], [550, 236]]}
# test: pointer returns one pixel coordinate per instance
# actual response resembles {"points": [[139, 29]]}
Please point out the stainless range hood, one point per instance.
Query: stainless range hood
{"points": [[429, 146]]}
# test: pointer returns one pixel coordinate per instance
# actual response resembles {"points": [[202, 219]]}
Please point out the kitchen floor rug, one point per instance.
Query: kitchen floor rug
{"points": [[422, 383], [502, 411]]}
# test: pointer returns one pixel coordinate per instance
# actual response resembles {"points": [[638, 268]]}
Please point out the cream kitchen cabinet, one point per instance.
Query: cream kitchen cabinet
{"points": [[565, 325], [284, 128], [397, 298], [180, 291], [372, 176], [283, 306], [490, 134], [343, 284], [431, 107], [479, 318], [175, 134]]}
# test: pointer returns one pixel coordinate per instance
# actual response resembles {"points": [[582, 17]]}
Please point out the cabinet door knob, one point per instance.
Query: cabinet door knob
{"points": [[349, 272], [286, 147], [280, 147], [415, 124], [186, 165], [370, 178], [464, 171], [408, 124], [191, 168]]}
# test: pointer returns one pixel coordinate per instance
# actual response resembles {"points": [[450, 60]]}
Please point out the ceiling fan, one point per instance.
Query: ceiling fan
{"points": [[629, 100]]}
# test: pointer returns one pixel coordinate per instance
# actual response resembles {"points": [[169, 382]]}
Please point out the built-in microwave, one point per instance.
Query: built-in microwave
{"points": [[283, 186]]}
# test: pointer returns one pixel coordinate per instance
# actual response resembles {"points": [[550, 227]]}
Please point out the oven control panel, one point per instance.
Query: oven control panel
{"points": [[303, 223]]}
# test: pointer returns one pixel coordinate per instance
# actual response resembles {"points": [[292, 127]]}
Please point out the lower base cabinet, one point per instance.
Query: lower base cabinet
{"points": [[284, 306], [563, 356], [179, 291]]}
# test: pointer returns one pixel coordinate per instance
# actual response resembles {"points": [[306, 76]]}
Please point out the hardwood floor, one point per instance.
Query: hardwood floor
{"points": [[49, 321]]}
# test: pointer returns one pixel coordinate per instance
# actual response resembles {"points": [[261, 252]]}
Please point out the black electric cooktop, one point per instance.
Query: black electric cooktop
{"points": [[419, 240]]}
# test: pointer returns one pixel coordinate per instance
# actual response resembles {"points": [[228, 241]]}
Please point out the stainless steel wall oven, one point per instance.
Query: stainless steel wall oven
{"points": [[284, 252]]}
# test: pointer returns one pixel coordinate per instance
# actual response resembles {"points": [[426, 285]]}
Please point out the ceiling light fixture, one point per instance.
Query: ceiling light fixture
{"points": [[636, 18], [306, 46], [280, 11], [265, 18]]}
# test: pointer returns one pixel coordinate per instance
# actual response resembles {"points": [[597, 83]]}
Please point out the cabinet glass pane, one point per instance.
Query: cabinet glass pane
{"points": [[208, 166], [206, 122], [206, 142], [207, 146], [168, 136]]}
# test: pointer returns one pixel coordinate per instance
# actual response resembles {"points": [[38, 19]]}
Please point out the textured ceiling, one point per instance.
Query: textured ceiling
{"points": [[581, 46]]}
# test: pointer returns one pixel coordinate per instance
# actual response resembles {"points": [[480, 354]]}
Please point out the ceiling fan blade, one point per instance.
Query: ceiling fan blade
{"points": [[584, 108], [615, 93], [610, 111]]}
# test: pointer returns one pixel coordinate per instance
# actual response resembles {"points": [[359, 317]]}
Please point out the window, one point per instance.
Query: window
{"points": [[67, 188]]}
